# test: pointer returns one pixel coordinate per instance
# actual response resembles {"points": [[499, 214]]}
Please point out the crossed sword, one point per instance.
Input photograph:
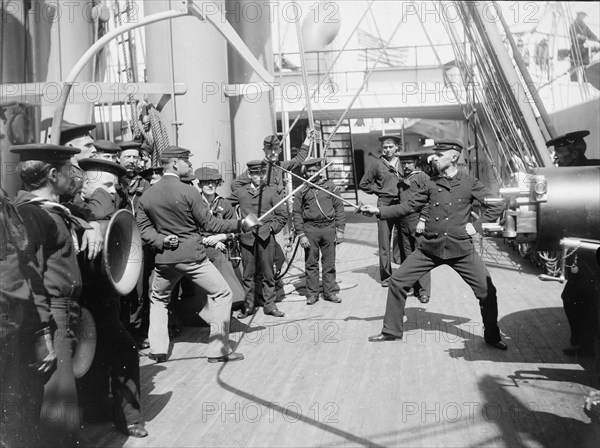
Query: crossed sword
{"points": [[308, 181]]}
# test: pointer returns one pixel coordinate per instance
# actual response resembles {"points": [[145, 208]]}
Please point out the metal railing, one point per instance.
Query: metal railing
{"points": [[354, 63]]}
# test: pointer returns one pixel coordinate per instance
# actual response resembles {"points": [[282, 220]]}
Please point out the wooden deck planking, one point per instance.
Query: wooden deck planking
{"points": [[535, 391]]}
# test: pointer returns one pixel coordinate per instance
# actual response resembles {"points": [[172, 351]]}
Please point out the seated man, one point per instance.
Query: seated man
{"points": [[320, 223]]}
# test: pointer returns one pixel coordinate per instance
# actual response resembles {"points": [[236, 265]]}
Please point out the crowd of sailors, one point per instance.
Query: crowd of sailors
{"points": [[53, 233]]}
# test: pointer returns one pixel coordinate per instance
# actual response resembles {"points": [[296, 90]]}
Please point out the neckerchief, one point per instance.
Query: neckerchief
{"points": [[392, 168], [73, 222]]}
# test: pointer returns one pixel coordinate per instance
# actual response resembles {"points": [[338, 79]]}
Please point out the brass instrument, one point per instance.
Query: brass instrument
{"points": [[122, 255]]}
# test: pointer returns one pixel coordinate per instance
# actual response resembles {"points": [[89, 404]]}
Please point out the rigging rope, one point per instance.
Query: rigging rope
{"points": [[515, 143], [382, 53], [326, 76]]}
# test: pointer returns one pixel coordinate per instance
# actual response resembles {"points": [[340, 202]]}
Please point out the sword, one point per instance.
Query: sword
{"points": [[294, 191], [356, 207]]}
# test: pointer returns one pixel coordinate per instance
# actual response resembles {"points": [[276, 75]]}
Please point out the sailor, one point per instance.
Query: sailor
{"points": [[152, 174], [107, 150], [129, 158], [116, 353], [413, 224], [145, 156], [580, 296], [381, 179], [258, 246], [447, 240], [579, 34], [169, 216], [134, 185], [569, 149], [21, 385], [78, 136], [275, 178], [46, 172], [319, 222]]}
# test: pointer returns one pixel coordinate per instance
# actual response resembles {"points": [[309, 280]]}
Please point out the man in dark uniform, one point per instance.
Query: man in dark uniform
{"points": [[116, 354], [107, 150], [78, 136], [152, 174], [46, 172], [135, 306], [258, 246], [447, 239], [129, 158], [381, 179], [21, 384], [580, 296], [275, 178], [569, 150], [170, 213], [319, 221], [413, 224]]}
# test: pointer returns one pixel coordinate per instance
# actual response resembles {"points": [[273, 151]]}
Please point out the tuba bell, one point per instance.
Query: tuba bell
{"points": [[122, 254]]}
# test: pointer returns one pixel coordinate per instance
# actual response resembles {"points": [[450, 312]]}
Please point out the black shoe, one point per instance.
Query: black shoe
{"points": [[227, 358], [424, 298], [385, 284], [276, 313], [333, 299], [245, 312], [311, 300], [500, 345], [158, 357], [142, 344], [381, 337], [137, 430]]}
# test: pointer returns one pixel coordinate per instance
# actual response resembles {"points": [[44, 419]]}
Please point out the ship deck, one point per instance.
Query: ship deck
{"points": [[312, 379]]}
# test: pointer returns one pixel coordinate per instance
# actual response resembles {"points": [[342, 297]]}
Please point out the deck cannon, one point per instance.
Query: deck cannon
{"points": [[552, 209]]}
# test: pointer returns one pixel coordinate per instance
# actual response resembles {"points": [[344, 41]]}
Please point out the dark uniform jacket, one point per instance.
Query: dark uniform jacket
{"points": [[14, 289], [102, 205], [134, 187], [381, 179], [274, 177], [54, 272], [314, 205], [412, 183], [258, 201], [170, 207], [450, 204], [582, 160]]}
